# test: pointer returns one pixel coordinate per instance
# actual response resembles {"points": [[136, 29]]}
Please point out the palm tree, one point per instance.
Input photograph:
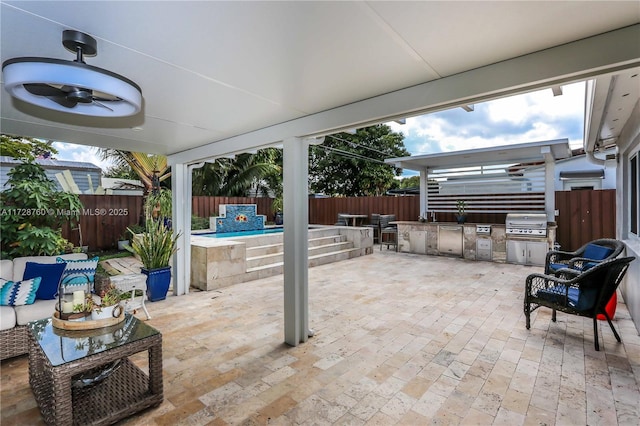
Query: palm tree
{"points": [[151, 169], [260, 172]]}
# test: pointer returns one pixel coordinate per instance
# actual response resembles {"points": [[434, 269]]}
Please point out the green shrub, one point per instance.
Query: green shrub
{"points": [[33, 212], [198, 222]]}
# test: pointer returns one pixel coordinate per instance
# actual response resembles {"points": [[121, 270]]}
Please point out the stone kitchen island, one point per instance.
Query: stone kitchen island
{"points": [[469, 240]]}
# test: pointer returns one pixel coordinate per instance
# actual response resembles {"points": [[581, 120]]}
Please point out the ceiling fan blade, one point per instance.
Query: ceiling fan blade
{"points": [[64, 101], [41, 89], [101, 104]]}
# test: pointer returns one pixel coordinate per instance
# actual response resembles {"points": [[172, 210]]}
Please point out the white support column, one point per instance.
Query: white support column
{"points": [[181, 222], [296, 224], [549, 183], [424, 193]]}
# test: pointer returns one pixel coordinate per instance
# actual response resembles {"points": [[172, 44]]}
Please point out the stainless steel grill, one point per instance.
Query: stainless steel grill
{"points": [[526, 224]]}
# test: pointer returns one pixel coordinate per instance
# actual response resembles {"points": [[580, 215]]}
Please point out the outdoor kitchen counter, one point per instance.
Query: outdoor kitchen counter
{"points": [[422, 238]]}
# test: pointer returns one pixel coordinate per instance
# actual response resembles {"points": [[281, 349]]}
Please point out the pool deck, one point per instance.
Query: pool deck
{"points": [[401, 339]]}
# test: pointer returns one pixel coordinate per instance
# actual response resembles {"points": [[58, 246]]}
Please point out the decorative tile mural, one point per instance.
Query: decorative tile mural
{"points": [[238, 217]]}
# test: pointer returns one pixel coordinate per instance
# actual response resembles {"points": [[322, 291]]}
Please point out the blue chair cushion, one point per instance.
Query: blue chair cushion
{"points": [[596, 252], [556, 266], [576, 299]]}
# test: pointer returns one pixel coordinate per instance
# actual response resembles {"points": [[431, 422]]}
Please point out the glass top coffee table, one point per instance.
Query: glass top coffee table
{"points": [[82, 377]]}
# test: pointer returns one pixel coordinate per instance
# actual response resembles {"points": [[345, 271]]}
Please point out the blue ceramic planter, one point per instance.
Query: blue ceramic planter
{"points": [[158, 281]]}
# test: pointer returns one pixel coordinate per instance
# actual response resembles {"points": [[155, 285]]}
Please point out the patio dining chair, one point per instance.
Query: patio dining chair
{"points": [[573, 292], [342, 220], [388, 232], [374, 224], [585, 257]]}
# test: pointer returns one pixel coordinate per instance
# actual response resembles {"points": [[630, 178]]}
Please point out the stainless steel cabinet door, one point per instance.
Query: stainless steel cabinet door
{"points": [[517, 251]]}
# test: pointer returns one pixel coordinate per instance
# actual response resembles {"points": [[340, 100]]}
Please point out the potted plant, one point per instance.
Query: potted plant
{"points": [[123, 240], [109, 305], [155, 247], [461, 205], [277, 206]]}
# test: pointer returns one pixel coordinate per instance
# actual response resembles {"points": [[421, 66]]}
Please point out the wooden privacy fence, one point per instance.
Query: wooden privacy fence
{"points": [[584, 215], [103, 220], [204, 206]]}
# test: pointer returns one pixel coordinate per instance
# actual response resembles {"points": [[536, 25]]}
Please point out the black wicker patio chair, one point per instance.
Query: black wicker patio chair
{"points": [[577, 293], [585, 257]]}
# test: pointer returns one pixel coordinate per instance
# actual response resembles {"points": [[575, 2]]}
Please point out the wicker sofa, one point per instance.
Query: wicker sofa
{"points": [[13, 320]]}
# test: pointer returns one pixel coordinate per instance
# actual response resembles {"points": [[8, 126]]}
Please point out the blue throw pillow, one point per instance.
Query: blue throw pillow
{"points": [[596, 252], [50, 273], [18, 293], [77, 272]]}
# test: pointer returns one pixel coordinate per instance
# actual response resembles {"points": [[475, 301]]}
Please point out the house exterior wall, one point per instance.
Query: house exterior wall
{"points": [[629, 146], [581, 163], [79, 172]]}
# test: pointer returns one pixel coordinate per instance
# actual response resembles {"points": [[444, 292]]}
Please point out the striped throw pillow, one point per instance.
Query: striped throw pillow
{"points": [[18, 293], [77, 272]]}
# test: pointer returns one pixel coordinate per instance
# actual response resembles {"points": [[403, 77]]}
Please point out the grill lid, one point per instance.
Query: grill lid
{"points": [[526, 220]]}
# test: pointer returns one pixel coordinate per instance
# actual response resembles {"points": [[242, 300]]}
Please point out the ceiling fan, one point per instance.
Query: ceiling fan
{"points": [[72, 86]]}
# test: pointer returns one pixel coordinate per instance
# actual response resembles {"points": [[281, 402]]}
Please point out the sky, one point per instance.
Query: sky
{"points": [[531, 117]]}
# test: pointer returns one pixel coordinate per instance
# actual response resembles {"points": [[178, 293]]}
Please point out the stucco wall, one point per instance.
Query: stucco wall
{"points": [[628, 144]]}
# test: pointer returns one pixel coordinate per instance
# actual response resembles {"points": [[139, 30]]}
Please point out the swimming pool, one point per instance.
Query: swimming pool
{"points": [[242, 233]]}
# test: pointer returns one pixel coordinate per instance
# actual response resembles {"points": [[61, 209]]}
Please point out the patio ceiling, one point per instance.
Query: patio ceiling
{"points": [[210, 71]]}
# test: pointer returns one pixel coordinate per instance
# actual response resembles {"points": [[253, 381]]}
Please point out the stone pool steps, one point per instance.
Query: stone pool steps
{"points": [[217, 263], [324, 247], [273, 253]]}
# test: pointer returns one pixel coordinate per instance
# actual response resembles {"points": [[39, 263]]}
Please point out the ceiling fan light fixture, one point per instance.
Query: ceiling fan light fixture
{"points": [[71, 86]]}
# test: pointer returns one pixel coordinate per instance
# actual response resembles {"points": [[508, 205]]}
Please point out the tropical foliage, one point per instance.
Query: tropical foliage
{"points": [[33, 212], [151, 169], [25, 148], [258, 174], [159, 203], [353, 165]]}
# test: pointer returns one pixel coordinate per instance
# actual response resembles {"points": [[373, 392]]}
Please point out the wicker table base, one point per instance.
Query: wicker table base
{"points": [[126, 391]]}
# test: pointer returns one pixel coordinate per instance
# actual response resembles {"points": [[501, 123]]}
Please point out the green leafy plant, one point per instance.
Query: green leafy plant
{"points": [[158, 203], [156, 245], [33, 212], [198, 222], [109, 296], [277, 204], [132, 230], [461, 205]]}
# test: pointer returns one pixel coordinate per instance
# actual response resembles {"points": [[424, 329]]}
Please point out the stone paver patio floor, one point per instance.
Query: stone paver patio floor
{"points": [[400, 339]]}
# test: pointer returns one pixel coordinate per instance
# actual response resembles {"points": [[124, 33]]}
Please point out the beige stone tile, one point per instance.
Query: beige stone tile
{"points": [[395, 344], [417, 387], [429, 404], [538, 417], [477, 417], [368, 406], [508, 418], [413, 418], [515, 401]]}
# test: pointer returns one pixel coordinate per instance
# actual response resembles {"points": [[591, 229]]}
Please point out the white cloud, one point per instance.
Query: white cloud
{"points": [[530, 117], [73, 152]]}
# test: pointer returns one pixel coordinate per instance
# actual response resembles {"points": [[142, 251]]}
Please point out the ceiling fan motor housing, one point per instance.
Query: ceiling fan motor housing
{"points": [[73, 84]]}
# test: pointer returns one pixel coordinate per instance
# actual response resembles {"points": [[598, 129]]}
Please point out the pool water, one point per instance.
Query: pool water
{"points": [[242, 233]]}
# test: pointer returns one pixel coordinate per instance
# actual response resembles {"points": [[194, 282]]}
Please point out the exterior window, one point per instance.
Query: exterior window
{"points": [[635, 180]]}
